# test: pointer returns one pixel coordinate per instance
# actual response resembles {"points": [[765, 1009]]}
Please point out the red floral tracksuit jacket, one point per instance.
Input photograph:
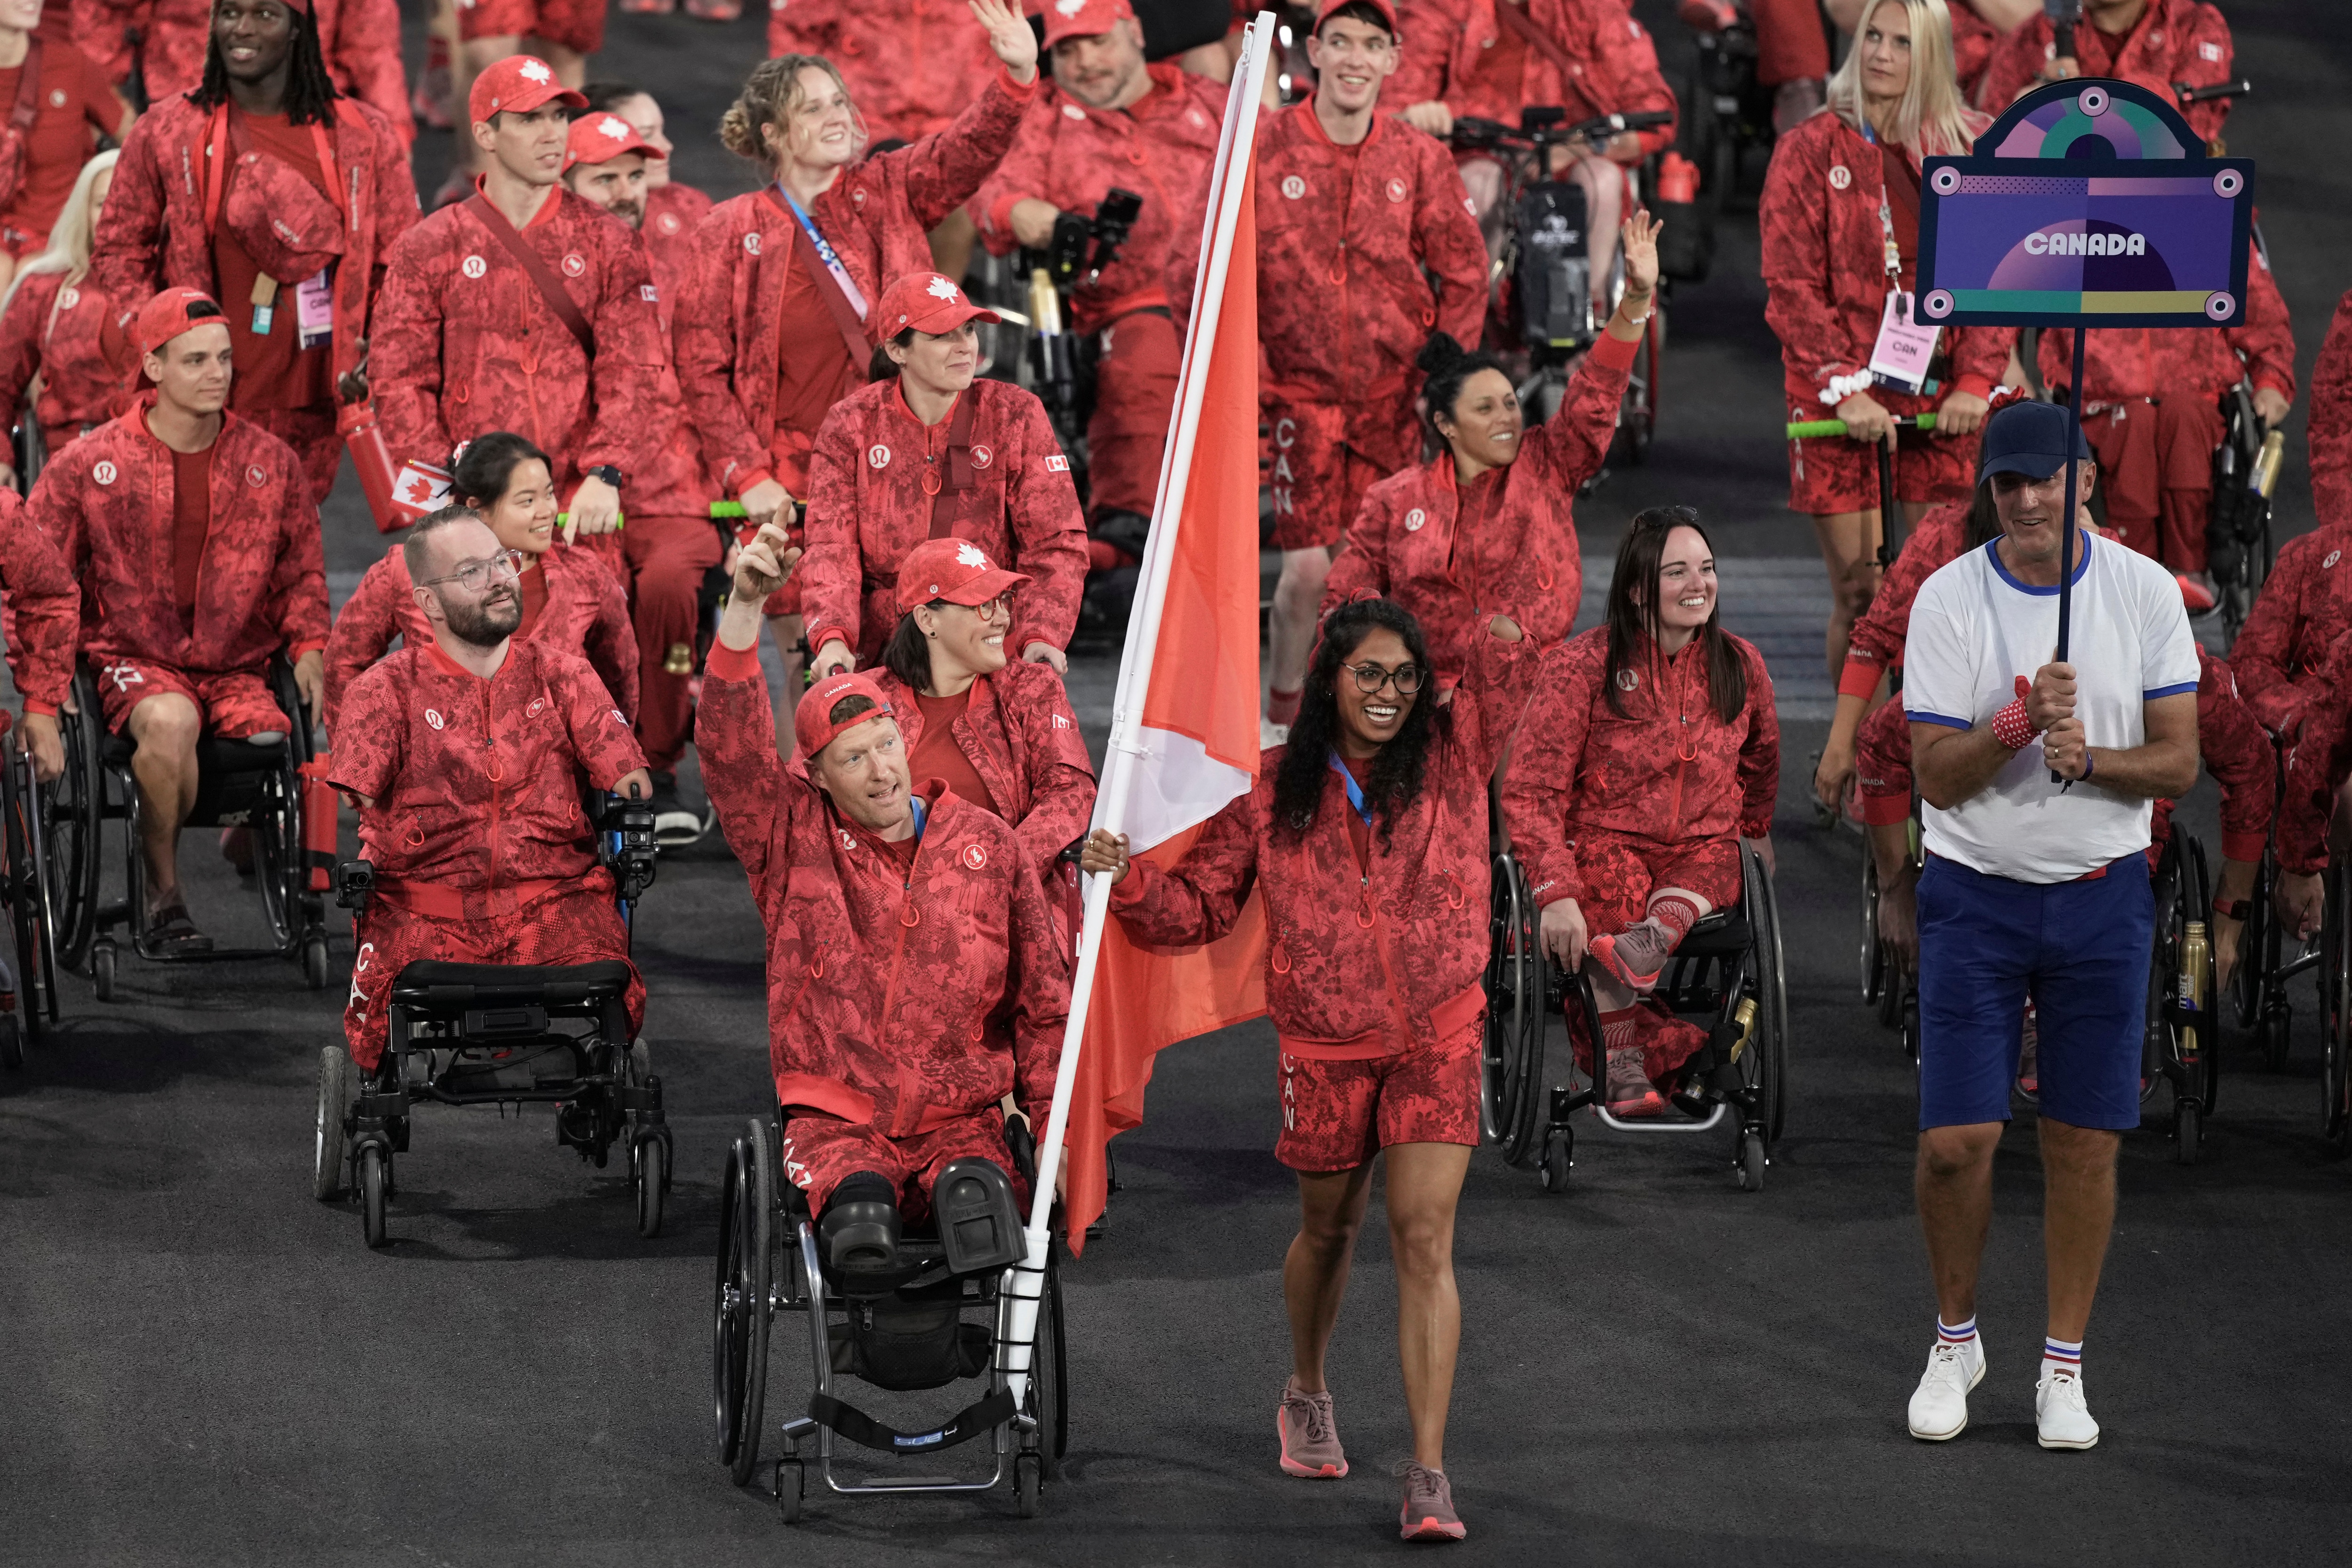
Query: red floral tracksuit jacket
{"points": [[1612, 63], [1363, 960], [1668, 771], [106, 503], [869, 504], [2316, 769], [906, 1001], [482, 851], [587, 613], [43, 606], [66, 334], [2328, 424], [2174, 41], [876, 216], [465, 343], [153, 233], [2305, 608], [1506, 544]]}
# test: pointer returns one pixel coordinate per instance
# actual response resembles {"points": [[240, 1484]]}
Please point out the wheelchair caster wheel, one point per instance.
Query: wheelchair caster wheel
{"points": [[101, 972], [790, 1483], [12, 1042], [375, 1180], [1028, 1480], [1751, 1162], [314, 962], [2188, 1133], [1559, 1155], [2278, 1030], [650, 1164]]}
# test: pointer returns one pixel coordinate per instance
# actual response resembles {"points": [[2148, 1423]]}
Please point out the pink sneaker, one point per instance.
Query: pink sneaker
{"points": [[1629, 1089], [1428, 1512], [1310, 1437], [1634, 957]]}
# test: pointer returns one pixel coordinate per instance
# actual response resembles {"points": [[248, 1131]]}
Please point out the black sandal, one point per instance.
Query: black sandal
{"points": [[171, 934]]}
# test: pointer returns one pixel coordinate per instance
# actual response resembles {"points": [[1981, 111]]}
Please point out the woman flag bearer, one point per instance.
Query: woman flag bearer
{"points": [[1650, 750], [1367, 835], [925, 451]]}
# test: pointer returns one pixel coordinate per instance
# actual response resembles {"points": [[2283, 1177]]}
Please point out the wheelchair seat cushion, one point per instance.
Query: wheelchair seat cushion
{"points": [[1723, 935], [434, 984]]}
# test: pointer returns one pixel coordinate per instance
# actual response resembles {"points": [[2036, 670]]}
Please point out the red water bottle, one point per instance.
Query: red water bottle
{"points": [[356, 424], [320, 823], [1677, 179]]}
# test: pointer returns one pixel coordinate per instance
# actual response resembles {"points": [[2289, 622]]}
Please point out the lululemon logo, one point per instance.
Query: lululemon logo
{"points": [[751, 243], [1627, 680], [975, 857], [473, 267], [1293, 186], [2333, 557], [879, 455], [67, 298], [847, 842], [1397, 192], [104, 473], [1072, 111], [667, 223], [1840, 177], [432, 718], [57, 94], [982, 456], [1414, 519], [254, 477], [574, 267]]}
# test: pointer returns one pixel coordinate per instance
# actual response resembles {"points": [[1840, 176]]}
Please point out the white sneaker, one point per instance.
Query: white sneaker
{"points": [[1271, 735], [2060, 1415], [1940, 1405]]}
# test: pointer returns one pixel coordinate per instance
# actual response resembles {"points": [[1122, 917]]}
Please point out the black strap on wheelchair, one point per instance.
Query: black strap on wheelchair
{"points": [[864, 1430]]}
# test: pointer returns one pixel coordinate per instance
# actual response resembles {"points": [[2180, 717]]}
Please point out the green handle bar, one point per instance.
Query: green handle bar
{"points": [[1801, 428], [620, 520]]}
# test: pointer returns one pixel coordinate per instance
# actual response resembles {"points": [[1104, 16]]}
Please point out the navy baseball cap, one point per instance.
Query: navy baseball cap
{"points": [[2028, 438]]}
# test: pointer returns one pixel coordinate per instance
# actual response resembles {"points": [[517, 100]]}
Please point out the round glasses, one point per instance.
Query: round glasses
{"points": [[476, 576], [1371, 678]]}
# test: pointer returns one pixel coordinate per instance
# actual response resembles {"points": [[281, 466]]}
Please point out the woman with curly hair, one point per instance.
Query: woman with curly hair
{"points": [[1366, 835]]}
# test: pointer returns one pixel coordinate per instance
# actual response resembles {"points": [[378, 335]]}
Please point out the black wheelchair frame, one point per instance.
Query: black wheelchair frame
{"points": [[1729, 969], [470, 1034], [1888, 984], [2268, 957], [239, 783], [769, 1262], [29, 999], [2335, 1014], [2239, 546]]}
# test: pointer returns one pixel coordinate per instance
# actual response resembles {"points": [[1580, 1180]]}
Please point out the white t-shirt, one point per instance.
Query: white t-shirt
{"points": [[1975, 629]]}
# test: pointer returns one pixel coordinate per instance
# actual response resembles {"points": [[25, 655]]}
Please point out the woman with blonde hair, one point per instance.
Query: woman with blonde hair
{"points": [[780, 283], [1841, 238], [57, 332]]}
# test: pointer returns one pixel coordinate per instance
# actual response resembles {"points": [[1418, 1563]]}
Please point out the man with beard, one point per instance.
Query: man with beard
{"points": [[466, 755], [197, 547]]}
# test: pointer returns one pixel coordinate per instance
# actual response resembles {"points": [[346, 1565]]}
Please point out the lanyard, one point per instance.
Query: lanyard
{"points": [[1355, 791], [825, 253]]}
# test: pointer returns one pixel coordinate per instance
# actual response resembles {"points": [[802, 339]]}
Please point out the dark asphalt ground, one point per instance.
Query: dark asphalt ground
{"points": [[202, 1365]]}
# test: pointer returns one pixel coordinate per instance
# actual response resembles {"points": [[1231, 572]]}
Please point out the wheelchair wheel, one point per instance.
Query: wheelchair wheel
{"points": [[738, 1351], [333, 1149], [375, 1183], [101, 970], [1771, 1040], [1558, 1159], [649, 1171], [1513, 1061], [1874, 978], [1749, 1162], [2335, 983], [12, 1042], [27, 892], [2205, 1073], [314, 961], [791, 1488], [76, 812]]}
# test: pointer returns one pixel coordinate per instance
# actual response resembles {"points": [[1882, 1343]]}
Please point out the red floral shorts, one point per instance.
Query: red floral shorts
{"points": [[1336, 1115]]}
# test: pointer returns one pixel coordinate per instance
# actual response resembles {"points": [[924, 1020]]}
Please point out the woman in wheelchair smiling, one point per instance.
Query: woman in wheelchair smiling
{"points": [[1650, 750], [1368, 835]]}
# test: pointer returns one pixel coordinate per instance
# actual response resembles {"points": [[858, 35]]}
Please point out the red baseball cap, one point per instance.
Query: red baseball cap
{"points": [[517, 85], [955, 570], [812, 732], [1082, 18], [600, 138], [928, 302], [1387, 14], [171, 313]]}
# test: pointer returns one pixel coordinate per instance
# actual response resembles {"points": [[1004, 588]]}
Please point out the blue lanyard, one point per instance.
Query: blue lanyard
{"points": [[824, 252], [922, 816], [1355, 791]]}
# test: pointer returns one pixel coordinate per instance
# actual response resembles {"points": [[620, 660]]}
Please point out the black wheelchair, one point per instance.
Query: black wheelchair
{"points": [[2335, 1013], [2269, 955], [2239, 548], [919, 1326], [255, 783], [1727, 975], [28, 993], [487, 1034], [1888, 984]]}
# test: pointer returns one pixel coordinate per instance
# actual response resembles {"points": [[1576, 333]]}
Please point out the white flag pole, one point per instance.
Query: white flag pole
{"points": [[1231, 186]]}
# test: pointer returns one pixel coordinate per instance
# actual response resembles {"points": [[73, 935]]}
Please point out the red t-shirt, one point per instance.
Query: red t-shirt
{"points": [[534, 597], [272, 372], [75, 105], [938, 756], [191, 522], [814, 372]]}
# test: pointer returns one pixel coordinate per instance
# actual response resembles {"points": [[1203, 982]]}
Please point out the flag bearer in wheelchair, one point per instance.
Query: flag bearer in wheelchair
{"points": [[43, 603], [914, 976], [1650, 750], [465, 753], [192, 534], [1367, 835]]}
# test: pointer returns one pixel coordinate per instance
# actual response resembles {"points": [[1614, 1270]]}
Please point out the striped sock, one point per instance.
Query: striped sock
{"points": [[1955, 1333], [2058, 1355]]}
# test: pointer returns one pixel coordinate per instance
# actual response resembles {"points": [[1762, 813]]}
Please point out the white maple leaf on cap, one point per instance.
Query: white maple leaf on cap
{"points": [[535, 72], [970, 555], [1070, 7], [612, 128], [942, 288]]}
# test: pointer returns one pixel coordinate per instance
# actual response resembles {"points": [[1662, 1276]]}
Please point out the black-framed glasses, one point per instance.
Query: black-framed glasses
{"points": [[1371, 678], [476, 576]]}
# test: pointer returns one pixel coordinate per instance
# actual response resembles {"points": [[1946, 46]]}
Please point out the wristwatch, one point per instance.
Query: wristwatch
{"points": [[608, 473]]}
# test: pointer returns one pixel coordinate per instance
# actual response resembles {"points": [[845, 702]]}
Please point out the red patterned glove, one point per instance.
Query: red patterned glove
{"points": [[2011, 727]]}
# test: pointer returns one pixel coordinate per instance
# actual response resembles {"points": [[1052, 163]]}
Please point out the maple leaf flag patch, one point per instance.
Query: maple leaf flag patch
{"points": [[1058, 464]]}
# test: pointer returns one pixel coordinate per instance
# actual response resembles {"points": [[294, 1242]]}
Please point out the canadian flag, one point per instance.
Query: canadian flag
{"points": [[419, 490]]}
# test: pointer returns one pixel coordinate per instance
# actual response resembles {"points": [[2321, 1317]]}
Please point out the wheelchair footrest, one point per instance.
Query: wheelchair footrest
{"points": [[854, 1423]]}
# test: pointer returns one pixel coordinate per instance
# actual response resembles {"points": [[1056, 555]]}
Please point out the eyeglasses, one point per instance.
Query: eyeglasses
{"points": [[1371, 678], [476, 576]]}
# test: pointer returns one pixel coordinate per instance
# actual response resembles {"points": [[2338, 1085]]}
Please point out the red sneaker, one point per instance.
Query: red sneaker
{"points": [[1310, 1437], [1428, 1512]]}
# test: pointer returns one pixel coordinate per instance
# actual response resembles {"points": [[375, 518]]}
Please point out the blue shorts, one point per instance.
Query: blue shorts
{"points": [[2081, 950]]}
